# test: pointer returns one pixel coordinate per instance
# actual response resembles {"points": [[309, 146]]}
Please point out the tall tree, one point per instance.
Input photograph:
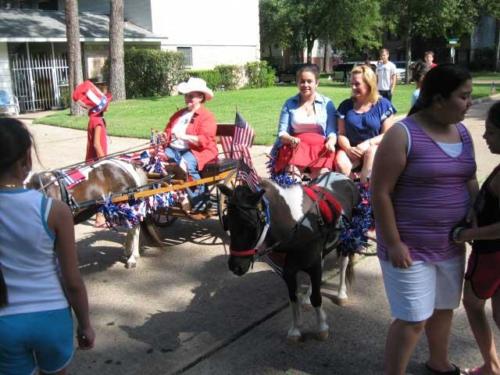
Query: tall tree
{"points": [[492, 8], [117, 67], [74, 50], [296, 24], [354, 24], [429, 18]]}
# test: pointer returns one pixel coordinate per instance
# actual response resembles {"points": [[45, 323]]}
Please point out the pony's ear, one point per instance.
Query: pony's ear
{"points": [[256, 197], [226, 190]]}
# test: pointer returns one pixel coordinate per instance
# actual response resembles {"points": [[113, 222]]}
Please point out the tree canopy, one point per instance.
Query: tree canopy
{"points": [[296, 24]]}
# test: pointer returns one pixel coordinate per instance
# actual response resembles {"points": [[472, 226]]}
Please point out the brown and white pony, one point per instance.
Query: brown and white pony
{"points": [[104, 177], [288, 221]]}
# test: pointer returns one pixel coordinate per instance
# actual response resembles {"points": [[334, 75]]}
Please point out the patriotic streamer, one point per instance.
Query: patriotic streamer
{"points": [[353, 238]]}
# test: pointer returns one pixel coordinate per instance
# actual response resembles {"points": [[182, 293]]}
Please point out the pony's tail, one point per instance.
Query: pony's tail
{"points": [[3, 290]]}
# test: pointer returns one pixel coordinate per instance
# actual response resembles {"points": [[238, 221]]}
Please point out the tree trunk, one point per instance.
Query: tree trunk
{"points": [[325, 56], [309, 47], [497, 57], [116, 66], [408, 57], [74, 51]]}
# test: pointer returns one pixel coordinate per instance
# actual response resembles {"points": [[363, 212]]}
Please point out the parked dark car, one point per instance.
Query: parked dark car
{"points": [[345, 69], [289, 74], [401, 70]]}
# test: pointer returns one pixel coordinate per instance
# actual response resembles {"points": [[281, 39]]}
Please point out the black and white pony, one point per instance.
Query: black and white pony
{"points": [[101, 179], [289, 221]]}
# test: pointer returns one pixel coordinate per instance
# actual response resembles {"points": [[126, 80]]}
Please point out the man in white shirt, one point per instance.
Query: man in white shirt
{"points": [[386, 75]]}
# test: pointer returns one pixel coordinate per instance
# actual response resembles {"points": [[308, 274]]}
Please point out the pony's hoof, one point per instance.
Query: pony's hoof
{"points": [[293, 339], [323, 335], [339, 301], [294, 335], [130, 265], [342, 301]]}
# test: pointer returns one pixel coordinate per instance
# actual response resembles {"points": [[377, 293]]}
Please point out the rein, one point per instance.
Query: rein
{"points": [[262, 235]]}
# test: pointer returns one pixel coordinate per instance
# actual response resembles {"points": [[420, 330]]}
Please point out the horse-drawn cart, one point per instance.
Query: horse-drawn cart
{"points": [[151, 185], [131, 191]]}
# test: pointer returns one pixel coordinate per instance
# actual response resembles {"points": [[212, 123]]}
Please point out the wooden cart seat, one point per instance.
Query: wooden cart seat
{"points": [[213, 168]]}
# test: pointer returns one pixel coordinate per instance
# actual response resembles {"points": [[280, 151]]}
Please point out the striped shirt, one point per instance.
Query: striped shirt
{"points": [[431, 196]]}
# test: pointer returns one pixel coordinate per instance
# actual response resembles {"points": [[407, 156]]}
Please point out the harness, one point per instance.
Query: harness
{"points": [[66, 196], [329, 212], [328, 206]]}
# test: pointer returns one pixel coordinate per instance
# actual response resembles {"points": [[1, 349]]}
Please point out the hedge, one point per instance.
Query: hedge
{"points": [[150, 72], [260, 74]]}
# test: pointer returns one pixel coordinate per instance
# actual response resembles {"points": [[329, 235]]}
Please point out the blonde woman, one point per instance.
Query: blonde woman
{"points": [[363, 120]]}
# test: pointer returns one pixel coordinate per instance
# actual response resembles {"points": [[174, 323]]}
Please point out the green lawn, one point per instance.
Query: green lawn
{"points": [[485, 76], [260, 107]]}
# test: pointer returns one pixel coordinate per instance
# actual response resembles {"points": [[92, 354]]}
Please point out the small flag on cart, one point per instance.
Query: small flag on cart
{"points": [[238, 147], [243, 140], [248, 175]]}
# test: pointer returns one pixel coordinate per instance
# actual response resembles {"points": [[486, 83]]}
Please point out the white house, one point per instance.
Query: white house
{"points": [[209, 33], [33, 39]]}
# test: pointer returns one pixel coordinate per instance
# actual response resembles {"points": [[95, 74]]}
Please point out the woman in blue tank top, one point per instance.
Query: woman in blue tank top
{"points": [[39, 278]]}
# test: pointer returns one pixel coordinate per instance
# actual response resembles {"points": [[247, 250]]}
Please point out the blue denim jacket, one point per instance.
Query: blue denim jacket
{"points": [[325, 112]]}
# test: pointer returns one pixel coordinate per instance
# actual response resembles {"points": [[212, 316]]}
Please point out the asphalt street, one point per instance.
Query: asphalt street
{"points": [[182, 311]]}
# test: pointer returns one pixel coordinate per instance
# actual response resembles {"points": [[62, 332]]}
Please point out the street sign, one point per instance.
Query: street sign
{"points": [[453, 41]]}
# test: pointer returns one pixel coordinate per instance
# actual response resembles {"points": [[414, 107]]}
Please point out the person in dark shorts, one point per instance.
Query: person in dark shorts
{"points": [[482, 279]]}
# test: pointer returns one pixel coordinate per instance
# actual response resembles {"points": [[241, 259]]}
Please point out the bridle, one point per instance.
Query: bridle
{"points": [[58, 177], [263, 223]]}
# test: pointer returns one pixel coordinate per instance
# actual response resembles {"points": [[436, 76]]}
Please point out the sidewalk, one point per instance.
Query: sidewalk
{"points": [[182, 311]]}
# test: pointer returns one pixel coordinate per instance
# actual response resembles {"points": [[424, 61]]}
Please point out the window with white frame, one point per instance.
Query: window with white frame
{"points": [[188, 55]]}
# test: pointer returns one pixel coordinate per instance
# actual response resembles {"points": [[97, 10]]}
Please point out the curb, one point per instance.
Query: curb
{"points": [[486, 99]]}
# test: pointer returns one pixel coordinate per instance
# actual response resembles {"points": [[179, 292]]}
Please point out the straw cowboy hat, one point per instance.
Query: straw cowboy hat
{"points": [[89, 96], [195, 84]]}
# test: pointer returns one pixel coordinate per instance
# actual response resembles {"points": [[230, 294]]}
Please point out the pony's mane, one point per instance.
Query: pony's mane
{"points": [[293, 196]]}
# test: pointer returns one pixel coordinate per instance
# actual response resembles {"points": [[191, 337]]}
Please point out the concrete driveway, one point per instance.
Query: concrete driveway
{"points": [[182, 311]]}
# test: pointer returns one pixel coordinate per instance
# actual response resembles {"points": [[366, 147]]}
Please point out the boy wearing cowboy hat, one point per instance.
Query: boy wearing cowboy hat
{"points": [[190, 135]]}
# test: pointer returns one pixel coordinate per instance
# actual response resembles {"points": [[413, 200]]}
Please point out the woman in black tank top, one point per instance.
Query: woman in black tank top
{"points": [[483, 270]]}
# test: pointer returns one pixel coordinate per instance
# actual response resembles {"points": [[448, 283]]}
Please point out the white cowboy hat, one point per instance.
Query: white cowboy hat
{"points": [[195, 84]]}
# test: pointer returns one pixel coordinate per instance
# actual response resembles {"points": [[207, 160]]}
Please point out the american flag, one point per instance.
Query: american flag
{"points": [[238, 147]]}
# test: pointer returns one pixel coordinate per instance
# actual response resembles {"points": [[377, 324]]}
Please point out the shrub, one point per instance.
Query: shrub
{"points": [[259, 74], [211, 77], [230, 76], [151, 72]]}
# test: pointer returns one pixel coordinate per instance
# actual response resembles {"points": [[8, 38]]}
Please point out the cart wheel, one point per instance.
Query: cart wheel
{"points": [[162, 219]]}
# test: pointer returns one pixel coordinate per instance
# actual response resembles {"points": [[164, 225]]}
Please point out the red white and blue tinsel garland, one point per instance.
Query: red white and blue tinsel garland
{"points": [[353, 236], [131, 213], [282, 178]]}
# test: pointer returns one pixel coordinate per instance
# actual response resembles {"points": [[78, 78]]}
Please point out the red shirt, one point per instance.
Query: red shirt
{"points": [[94, 122], [203, 125]]}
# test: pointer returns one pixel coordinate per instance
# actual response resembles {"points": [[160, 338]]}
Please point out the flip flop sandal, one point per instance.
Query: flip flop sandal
{"points": [[454, 371], [474, 371]]}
